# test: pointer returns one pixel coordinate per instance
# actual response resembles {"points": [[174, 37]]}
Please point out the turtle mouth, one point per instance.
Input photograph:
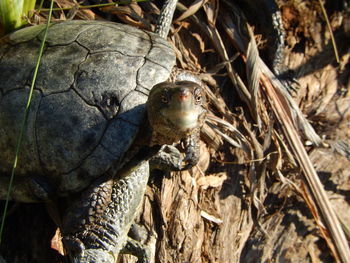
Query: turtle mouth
{"points": [[182, 111], [182, 120]]}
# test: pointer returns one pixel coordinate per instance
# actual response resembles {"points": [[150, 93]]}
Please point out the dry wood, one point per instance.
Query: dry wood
{"points": [[246, 201]]}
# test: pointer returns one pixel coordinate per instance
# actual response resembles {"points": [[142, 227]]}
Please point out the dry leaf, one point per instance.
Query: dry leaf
{"points": [[212, 180], [56, 242]]}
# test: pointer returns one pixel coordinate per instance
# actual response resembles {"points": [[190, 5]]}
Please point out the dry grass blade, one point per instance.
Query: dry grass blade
{"points": [[226, 137], [233, 25], [242, 141], [293, 110], [236, 37], [253, 76], [342, 148], [313, 209], [191, 10], [310, 175], [131, 14], [336, 54], [212, 10], [345, 227], [283, 107], [215, 37]]}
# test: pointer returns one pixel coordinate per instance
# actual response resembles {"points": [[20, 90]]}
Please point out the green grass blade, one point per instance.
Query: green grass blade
{"points": [[24, 121], [13, 12]]}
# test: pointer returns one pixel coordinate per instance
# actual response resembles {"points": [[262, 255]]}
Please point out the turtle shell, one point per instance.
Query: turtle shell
{"points": [[88, 101]]}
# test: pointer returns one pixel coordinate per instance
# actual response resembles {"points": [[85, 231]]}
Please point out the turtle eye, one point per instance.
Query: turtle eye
{"points": [[198, 95], [164, 98]]}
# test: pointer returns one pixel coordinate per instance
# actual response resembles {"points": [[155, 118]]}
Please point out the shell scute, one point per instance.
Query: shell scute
{"points": [[104, 79], [67, 131], [12, 106], [89, 97]]}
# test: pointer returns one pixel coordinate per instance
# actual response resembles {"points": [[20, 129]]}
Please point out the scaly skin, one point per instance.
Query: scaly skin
{"points": [[165, 18], [280, 34], [96, 227], [96, 224], [105, 232]]}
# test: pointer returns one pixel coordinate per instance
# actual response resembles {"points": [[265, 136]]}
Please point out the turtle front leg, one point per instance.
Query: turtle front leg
{"points": [[96, 227], [169, 158], [192, 149]]}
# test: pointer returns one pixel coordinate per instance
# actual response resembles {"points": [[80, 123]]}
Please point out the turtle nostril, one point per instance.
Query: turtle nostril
{"points": [[183, 95]]}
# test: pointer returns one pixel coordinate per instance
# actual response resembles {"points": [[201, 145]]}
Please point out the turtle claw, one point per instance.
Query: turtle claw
{"points": [[192, 150], [135, 248], [94, 256], [73, 244], [190, 160], [168, 159]]}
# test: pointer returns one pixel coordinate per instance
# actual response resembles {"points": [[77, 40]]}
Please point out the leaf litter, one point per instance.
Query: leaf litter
{"points": [[259, 135]]}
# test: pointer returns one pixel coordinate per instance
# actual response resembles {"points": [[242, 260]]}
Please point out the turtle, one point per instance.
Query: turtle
{"points": [[106, 104]]}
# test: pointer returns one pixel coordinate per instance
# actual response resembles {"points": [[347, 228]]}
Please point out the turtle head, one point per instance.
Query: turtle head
{"points": [[176, 109]]}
